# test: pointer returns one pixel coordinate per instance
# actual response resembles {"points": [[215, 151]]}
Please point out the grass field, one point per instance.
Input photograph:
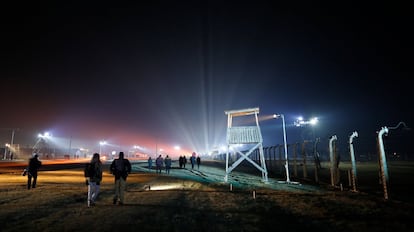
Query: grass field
{"points": [[191, 203]]}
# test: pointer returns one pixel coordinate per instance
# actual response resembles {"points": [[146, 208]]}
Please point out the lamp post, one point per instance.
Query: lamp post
{"points": [[285, 146]]}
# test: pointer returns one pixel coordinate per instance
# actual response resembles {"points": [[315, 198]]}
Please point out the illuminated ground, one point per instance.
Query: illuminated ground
{"points": [[191, 200]]}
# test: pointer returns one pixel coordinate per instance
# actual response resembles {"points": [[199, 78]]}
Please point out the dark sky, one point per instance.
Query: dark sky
{"points": [[165, 72]]}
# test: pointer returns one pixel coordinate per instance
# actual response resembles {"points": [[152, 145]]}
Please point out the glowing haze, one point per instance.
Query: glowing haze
{"points": [[161, 75]]}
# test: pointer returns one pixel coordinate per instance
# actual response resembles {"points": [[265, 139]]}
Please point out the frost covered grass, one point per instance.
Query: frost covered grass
{"points": [[191, 200]]}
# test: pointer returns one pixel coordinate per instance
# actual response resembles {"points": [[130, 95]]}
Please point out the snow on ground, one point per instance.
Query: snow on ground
{"points": [[238, 180]]}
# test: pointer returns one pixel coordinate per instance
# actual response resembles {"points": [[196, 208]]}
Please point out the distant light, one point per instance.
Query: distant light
{"points": [[276, 115], [44, 135], [300, 122], [137, 147], [313, 121]]}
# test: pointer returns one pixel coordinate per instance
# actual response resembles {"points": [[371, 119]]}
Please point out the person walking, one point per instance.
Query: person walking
{"points": [[184, 161], [93, 174], [159, 163], [180, 161], [167, 162], [198, 162], [193, 160], [32, 169], [120, 168]]}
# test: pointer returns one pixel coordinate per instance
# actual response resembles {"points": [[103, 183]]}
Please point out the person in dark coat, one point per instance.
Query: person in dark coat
{"points": [[198, 162], [159, 163], [93, 174], [167, 162], [193, 160], [120, 168], [32, 169], [184, 161], [181, 161]]}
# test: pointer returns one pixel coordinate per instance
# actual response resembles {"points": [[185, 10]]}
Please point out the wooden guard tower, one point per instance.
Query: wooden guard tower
{"points": [[244, 135]]}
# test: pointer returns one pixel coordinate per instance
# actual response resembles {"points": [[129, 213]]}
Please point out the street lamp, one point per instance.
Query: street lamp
{"points": [[285, 145]]}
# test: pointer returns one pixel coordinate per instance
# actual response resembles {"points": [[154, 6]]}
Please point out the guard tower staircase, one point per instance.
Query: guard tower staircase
{"points": [[239, 135]]}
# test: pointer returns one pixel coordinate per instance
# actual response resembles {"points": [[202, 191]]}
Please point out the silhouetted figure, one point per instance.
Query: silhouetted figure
{"points": [[167, 162], [159, 163], [120, 168], [93, 174], [184, 161], [180, 161], [193, 160], [34, 165], [198, 162]]}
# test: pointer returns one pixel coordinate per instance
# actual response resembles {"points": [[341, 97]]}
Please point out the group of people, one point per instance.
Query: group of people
{"points": [[182, 160], [119, 167], [159, 164], [195, 160]]}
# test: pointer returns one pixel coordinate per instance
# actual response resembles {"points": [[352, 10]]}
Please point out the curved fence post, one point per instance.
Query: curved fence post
{"points": [[332, 158], [383, 161], [351, 150]]}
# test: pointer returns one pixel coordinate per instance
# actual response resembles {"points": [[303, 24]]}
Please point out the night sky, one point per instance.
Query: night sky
{"points": [[163, 73]]}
